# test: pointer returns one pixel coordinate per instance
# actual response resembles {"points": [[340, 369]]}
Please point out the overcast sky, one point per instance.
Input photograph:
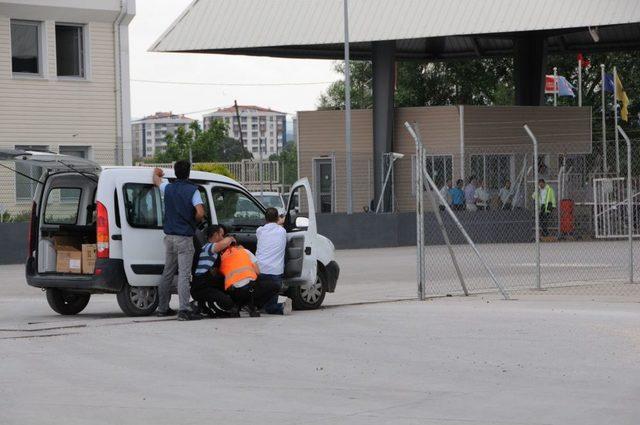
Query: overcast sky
{"points": [[154, 16]]}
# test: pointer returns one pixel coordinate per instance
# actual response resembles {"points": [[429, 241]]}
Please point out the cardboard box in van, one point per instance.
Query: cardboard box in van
{"points": [[88, 258], [68, 255], [69, 260]]}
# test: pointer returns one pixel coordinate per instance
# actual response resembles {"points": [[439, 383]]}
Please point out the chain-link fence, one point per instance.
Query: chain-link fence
{"points": [[585, 205]]}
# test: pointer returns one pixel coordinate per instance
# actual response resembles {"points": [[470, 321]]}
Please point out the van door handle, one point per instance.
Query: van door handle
{"points": [[116, 237], [307, 250]]}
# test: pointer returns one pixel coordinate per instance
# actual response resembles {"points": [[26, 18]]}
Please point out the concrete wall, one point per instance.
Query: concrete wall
{"points": [[392, 230], [13, 249]]}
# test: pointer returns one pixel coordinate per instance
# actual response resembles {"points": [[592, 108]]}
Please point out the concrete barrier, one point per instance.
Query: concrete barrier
{"points": [[390, 230], [13, 242]]}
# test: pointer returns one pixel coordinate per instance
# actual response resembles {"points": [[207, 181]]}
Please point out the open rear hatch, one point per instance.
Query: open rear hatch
{"points": [[63, 227]]}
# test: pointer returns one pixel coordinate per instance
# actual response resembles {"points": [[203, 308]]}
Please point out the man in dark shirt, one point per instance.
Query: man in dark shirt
{"points": [[183, 209]]}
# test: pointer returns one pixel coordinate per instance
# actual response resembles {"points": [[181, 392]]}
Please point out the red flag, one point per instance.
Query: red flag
{"points": [[585, 62]]}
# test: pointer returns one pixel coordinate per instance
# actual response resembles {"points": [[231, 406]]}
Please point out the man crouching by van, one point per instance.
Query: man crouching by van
{"points": [[183, 210], [240, 270], [207, 287]]}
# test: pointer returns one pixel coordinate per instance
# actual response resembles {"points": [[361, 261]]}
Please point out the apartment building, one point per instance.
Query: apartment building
{"points": [[64, 84], [263, 130], [148, 134]]}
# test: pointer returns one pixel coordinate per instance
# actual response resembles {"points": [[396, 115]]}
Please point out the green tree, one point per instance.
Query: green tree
{"points": [[288, 160], [472, 82], [361, 87], [211, 145]]}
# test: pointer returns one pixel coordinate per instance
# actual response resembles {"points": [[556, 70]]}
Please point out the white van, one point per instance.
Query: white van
{"points": [[121, 211]]}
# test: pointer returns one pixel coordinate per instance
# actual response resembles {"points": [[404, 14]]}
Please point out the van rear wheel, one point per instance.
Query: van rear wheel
{"points": [[309, 297], [138, 300], [66, 303]]}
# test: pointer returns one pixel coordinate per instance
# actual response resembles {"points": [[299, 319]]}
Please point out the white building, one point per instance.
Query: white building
{"points": [[149, 133], [260, 127], [64, 84]]}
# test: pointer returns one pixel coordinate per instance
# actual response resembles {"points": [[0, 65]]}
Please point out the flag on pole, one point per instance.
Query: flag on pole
{"points": [[608, 83], [564, 86], [584, 61], [623, 98]]}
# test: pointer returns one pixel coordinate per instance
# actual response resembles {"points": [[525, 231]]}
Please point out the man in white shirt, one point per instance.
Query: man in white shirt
{"points": [[482, 196], [272, 245], [444, 191], [506, 195]]}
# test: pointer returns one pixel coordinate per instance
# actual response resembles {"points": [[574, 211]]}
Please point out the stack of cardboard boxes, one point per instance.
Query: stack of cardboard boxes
{"points": [[73, 257]]}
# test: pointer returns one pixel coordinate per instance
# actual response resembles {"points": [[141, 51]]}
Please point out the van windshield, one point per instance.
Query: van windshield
{"points": [[270, 201]]}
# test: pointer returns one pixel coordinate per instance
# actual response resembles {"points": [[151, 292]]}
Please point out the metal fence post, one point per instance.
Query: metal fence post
{"points": [[536, 199], [433, 186], [419, 224], [629, 202]]}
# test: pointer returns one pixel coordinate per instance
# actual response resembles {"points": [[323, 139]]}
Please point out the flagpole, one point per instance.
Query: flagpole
{"points": [[605, 168], [579, 82], [615, 117], [555, 86]]}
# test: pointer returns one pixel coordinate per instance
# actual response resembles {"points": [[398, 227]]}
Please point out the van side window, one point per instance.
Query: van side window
{"points": [[236, 210], [62, 206], [116, 206], [143, 205]]}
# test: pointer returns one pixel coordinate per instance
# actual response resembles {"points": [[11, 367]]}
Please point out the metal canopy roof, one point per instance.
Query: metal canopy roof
{"points": [[423, 29]]}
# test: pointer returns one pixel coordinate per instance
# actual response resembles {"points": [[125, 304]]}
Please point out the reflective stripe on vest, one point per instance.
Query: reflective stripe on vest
{"points": [[236, 265]]}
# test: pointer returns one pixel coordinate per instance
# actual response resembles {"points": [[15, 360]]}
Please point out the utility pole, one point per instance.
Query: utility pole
{"points": [[235, 104], [347, 107]]}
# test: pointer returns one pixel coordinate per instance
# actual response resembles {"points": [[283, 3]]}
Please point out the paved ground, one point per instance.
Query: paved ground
{"points": [[538, 360]]}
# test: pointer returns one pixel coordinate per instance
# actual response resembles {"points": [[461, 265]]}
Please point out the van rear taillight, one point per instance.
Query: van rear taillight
{"points": [[102, 230], [33, 230]]}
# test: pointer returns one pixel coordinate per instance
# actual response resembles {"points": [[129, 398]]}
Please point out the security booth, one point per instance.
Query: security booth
{"points": [[461, 141]]}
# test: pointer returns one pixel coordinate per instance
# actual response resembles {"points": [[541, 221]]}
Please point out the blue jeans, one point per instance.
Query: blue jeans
{"points": [[272, 306]]}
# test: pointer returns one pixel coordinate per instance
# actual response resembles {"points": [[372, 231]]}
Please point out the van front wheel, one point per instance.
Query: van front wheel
{"points": [[309, 297], [138, 300], [66, 303]]}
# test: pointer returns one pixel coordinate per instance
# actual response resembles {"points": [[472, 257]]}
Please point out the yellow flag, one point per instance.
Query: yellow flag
{"points": [[622, 97]]}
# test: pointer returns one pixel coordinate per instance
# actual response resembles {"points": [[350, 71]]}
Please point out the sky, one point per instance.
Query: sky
{"points": [[152, 19]]}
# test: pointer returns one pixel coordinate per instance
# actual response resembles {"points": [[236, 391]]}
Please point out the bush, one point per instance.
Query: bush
{"points": [[210, 167], [16, 218]]}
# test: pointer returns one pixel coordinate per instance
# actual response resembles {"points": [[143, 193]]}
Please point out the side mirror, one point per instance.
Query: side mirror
{"points": [[302, 223]]}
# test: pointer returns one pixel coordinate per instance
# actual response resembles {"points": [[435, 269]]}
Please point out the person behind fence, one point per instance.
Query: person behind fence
{"points": [[482, 196], [547, 202], [183, 209], [445, 191], [270, 251], [240, 270], [470, 194], [207, 286], [457, 196], [506, 197]]}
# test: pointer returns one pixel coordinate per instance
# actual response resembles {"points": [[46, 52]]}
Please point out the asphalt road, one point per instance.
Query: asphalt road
{"points": [[552, 359]]}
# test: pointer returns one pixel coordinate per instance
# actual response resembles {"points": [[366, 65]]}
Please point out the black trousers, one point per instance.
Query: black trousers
{"points": [[207, 289], [545, 221], [254, 293]]}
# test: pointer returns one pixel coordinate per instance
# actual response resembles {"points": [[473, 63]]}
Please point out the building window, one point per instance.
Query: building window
{"points": [[70, 50], [25, 187], [493, 169], [439, 167], [25, 47]]}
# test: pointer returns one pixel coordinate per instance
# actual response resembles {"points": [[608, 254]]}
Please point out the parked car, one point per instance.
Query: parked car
{"points": [[120, 212], [271, 199]]}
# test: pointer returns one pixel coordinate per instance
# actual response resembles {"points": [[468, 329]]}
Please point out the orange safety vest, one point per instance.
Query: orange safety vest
{"points": [[236, 265]]}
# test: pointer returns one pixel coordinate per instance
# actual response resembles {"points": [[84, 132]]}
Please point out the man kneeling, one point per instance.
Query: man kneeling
{"points": [[207, 287], [240, 269]]}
